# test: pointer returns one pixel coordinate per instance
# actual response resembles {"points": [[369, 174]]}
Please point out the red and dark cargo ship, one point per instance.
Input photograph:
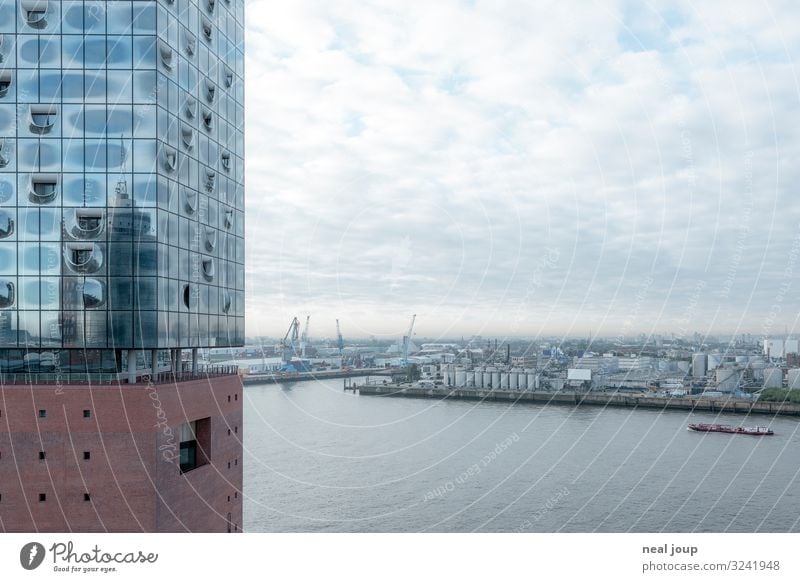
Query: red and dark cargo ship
{"points": [[751, 430]]}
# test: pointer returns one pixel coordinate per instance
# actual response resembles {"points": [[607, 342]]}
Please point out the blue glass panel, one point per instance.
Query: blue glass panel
{"points": [[95, 16], [73, 155], [120, 53], [94, 52], [50, 293], [72, 17], [8, 258], [50, 86], [95, 87], [50, 52], [120, 121], [72, 52], [119, 17]]}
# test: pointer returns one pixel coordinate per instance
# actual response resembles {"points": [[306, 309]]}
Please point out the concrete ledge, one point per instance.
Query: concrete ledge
{"points": [[590, 399]]}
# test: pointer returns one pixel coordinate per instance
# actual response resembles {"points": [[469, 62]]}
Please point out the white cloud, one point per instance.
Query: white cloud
{"points": [[422, 157]]}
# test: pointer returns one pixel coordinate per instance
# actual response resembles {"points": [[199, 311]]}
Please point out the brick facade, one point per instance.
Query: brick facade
{"points": [[132, 475]]}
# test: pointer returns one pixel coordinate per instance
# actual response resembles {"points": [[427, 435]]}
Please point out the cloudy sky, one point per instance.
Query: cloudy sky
{"points": [[523, 167]]}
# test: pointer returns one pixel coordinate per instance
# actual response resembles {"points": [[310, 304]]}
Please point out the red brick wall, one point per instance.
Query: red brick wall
{"points": [[133, 474]]}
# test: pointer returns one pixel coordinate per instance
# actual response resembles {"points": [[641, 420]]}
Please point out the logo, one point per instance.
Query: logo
{"points": [[31, 555]]}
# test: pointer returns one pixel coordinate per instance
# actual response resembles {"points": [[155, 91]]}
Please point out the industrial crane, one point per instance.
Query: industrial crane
{"points": [[304, 338], [288, 349], [407, 341]]}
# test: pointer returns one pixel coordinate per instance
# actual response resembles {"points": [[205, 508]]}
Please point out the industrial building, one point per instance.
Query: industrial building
{"points": [[121, 250]]}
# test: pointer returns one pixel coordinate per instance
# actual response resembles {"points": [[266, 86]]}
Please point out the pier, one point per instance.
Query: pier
{"points": [[715, 405], [282, 377]]}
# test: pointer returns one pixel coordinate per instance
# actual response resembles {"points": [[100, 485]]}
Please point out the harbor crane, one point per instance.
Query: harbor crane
{"points": [[289, 341], [304, 338], [339, 339], [407, 341]]}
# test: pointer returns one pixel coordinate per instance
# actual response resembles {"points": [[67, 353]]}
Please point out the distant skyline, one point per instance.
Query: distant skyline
{"points": [[523, 168]]}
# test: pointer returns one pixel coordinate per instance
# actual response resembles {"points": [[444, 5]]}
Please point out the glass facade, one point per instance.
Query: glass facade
{"points": [[121, 178]]}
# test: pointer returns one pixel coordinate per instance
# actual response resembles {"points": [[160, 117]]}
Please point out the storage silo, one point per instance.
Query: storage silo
{"points": [[487, 377], [727, 379], [470, 379], [699, 365], [479, 378], [446, 374], [533, 384], [513, 381], [793, 379], [773, 378], [495, 378], [522, 381], [504, 381], [713, 360], [460, 377]]}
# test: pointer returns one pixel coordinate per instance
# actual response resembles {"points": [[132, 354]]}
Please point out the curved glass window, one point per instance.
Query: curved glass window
{"points": [[4, 156], [186, 296], [35, 12], [93, 294], [169, 156], [208, 119], [210, 5], [208, 268], [210, 89], [190, 42], [228, 221], [226, 161], [190, 200], [5, 82], [208, 29], [226, 302], [210, 179], [7, 295], [187, 136], [43, 188], [227, 75], [191, 107], [42, 118], [6, 223], [165, 52], [83, 257], [84, 223], [211, 239]]}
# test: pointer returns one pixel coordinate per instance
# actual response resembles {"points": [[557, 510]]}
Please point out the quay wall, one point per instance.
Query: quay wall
{"points": [[588, 399]]}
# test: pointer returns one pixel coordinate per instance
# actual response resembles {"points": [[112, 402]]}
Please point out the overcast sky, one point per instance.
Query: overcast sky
{"points": [[523, 167]]}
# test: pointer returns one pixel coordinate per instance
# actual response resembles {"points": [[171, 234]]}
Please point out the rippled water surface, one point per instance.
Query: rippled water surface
{"points": [[321, 459]]}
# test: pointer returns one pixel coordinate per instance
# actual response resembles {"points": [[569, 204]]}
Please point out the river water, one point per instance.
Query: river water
{"points": [[318, 459]]}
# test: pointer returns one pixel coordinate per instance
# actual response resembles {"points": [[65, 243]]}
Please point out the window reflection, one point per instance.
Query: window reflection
{"points": [[7, 295], [93, 294], [7, 223]]}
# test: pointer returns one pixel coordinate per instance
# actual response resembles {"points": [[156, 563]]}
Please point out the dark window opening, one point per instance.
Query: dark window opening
{"points": [[42, 497], [86, 497], [87, 414], [42, 414], [229, 397], [195, 444], [41, 455], [229, 464], [87, 455]]}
